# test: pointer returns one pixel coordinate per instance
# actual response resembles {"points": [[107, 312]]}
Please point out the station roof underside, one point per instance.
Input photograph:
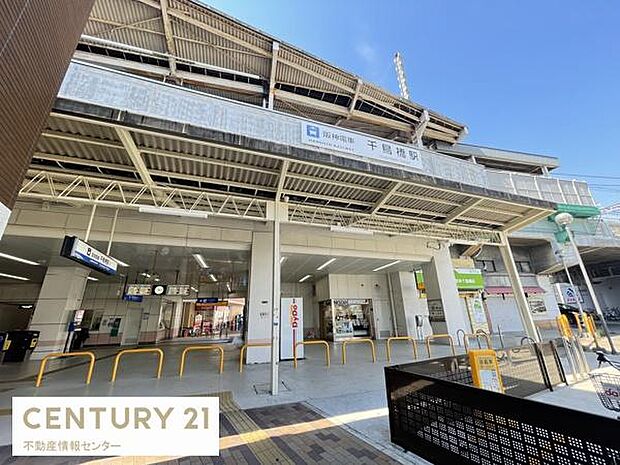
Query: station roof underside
{"points": [[192, 45], [88, 154]]}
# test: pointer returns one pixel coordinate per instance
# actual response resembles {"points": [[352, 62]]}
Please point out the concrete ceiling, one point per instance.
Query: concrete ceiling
{"points": [[153, 259], [296, 266]]}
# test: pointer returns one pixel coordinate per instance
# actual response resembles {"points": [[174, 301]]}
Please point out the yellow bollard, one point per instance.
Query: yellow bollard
{"points": [[220, 349], [327, 356], [564, 326], [244, 348], [578, 320], [159, 352], [401, 338], [357, 341], [439, 336], [91, 365]]}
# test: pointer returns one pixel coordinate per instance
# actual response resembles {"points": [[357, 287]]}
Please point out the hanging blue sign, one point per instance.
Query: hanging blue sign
{"points": [[79, 251]]}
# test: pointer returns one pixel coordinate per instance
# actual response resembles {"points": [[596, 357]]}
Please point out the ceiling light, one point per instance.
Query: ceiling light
{"points": [[343, 229], [172, 211], [92, 278], [194, 289], [20, 278], [146, 275], [157, 280], [119, 262], [200, 259], [282, 259], [228, 287], [327, 263], [308, 276], [212, 277], [17, 259], [383, 267]]}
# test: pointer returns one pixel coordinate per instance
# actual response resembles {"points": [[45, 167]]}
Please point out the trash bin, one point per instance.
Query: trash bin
{"points": [[5, 342], [21, 346]]}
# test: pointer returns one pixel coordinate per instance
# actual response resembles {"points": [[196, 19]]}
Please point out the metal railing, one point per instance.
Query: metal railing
{"points": [[118, 356], [91, 365], [305, 343], [388, 349], [358, 341], [477, 336], [220, 349], [244, 348], [433, 337], [444, 421]]}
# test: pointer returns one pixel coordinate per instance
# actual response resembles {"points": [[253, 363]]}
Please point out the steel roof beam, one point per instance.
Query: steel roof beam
{"points": [[464, 208], [385, 197], [170, 45], [275, 47]]}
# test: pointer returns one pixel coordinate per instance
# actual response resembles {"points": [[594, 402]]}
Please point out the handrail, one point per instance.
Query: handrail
{"points": [[244, 348], [118, 356], [44, 360], [321, 342], [432, 337], [358, 341], [401, 338], [477, 335], [220, 349]]}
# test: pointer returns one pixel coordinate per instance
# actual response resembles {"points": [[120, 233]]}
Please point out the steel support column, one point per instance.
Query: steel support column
{"points": [[517, 290], [275, 318]]}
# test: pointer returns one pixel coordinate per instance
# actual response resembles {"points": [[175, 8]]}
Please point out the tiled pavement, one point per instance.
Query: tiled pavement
{"points": [[282, 434]]}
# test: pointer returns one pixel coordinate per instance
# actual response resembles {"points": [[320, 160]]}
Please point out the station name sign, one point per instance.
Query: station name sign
{"points": [[328, 137], [157, 289], [79, 251]]}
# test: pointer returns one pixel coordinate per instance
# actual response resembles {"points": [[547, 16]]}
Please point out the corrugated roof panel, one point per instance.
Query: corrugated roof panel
{"points": [[78, 150]]}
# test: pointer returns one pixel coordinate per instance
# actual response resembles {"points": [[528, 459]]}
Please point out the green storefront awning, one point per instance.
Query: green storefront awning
{"points": [[578, 211]]}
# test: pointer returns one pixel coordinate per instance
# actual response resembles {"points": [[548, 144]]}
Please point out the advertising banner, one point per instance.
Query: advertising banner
{"points": [[291, 327]]}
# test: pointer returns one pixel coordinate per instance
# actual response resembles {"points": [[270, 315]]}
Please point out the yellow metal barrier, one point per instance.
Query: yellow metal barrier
{"points": [[357, 341], [414, 345], [578, 320], [91, 365], [439, 336], [159, 352], [203, 347], [591, 326], [244, 347], [306, 343], [466, 337], [564, 326]]}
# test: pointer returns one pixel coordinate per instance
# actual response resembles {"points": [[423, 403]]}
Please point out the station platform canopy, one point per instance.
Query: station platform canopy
{"points": [[119, 140]]}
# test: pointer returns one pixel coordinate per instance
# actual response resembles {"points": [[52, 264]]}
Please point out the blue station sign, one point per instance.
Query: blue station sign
{"points": [[79, 251]]}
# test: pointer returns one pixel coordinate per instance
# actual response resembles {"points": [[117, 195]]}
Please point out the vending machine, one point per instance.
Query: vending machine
{"points": [[291, 327]]}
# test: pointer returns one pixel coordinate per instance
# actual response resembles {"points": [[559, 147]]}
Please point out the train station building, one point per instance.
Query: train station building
{"points": [[198, 179]]}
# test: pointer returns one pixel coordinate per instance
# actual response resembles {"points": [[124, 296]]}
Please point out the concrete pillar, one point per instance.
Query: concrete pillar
{"points": [[61, 294], [260, 297], [517, 289], [443, 296], [407, 304]]}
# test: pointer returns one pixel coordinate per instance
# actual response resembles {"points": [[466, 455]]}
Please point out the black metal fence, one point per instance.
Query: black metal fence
{"points": [[436, 413]]}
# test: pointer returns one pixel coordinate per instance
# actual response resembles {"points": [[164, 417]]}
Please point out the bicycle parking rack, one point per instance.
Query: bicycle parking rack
{"points": [[477, 335], [439, 336], [244, 348], [358, 341], [88, 354], [118, 356], [220, 349], [323, 343], [414, 346]]}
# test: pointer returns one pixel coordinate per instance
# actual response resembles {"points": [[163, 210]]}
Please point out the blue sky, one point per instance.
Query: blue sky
{"points": [[537, 76]]}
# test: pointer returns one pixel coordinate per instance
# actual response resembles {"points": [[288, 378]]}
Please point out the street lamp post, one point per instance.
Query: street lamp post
{"points": [[564, 220], [572, 285]]}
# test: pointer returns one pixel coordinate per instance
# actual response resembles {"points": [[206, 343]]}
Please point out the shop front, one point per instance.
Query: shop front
{"points": [[343, 319]]}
